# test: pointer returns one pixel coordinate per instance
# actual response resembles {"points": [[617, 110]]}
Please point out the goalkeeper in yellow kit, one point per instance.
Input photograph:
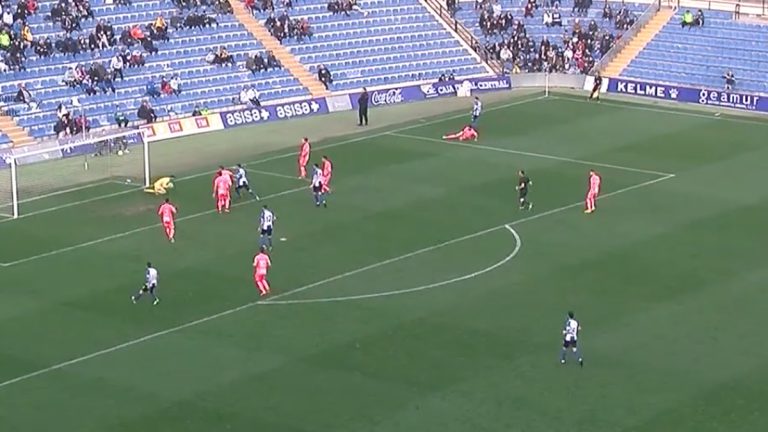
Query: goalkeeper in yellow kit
{"points": [[161, 185]]}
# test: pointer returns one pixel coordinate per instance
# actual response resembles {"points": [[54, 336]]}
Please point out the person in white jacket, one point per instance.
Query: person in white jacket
{"points": [[116, 64]]}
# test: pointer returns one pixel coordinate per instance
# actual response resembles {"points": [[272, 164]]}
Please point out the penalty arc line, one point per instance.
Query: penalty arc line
{"points": [[141, 229], [506, 259], [280, 156], [306, 287]]}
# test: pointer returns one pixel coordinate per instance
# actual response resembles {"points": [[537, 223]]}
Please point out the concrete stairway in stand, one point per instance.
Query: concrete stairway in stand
{"points": [[17, 134], [288, 60], [633, 48]]}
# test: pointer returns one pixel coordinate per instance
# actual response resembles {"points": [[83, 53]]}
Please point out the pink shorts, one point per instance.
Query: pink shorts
{"points": [[259, 277]]}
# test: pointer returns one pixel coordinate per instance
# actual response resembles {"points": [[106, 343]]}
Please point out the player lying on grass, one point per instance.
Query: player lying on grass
{"points": [[466, 134], [161, 185]]}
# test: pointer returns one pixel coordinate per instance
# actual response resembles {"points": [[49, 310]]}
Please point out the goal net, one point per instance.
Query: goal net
{"points": [[60, 172]]}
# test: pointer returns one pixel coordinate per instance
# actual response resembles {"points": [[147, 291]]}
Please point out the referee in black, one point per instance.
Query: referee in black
{"points": [[523, 185], [595, 94], [362, 108]]}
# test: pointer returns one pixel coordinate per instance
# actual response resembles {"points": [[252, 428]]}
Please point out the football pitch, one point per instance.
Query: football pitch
{"points": [[421, 299]]}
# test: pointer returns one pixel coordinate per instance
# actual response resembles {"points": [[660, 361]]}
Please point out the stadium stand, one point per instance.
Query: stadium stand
{"points": [[580, 36], [4, 140], [182, 54], [700, 55], [377, 42]]}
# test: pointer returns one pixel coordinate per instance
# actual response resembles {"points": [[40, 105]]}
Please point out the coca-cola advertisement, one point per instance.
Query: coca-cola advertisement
{"points": [[397, 95]]}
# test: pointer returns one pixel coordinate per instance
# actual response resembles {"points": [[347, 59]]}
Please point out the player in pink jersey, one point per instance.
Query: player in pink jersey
{"points": [[167, 213], [261, 264], [221, 187], [327, 173], [466, 134], [594, 191], [304, 152]]}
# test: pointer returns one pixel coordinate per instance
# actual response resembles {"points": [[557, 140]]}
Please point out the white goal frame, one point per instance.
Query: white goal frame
{"points": [[42, 153]]}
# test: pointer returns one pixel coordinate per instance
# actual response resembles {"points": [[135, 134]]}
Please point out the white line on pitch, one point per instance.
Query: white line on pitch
{"points": [[306, 287], [138, 230], [632, 105], [270, 158], [538, 155], [506, 259]]}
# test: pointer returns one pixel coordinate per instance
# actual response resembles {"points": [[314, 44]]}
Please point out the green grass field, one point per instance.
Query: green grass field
{"points": [[421, 299]]}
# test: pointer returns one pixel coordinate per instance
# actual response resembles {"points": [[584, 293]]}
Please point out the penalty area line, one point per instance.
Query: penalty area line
{"points": [[531, 154], [312, 285], [138, 230]]}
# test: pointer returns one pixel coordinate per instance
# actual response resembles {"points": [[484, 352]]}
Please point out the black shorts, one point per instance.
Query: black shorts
{"points": [[266, 231], [243, 186], [317, 188], [569, 343], [147, 288], [522, 193]]}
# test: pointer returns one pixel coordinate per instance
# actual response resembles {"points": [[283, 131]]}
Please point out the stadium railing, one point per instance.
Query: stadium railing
{"points": [[627, 37], [464, 33]]}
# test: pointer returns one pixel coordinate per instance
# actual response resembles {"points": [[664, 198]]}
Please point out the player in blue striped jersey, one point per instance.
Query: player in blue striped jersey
{"points": [[150, 285], [266, 226], [241, 182], [571, 330], [477, 109]]}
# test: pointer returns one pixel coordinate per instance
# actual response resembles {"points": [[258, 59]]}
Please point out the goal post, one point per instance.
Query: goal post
{"points": [[62, 172]]}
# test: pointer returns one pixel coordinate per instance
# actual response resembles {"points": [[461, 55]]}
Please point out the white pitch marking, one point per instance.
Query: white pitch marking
{"points": [[264, 160], [506, 259], [306, 287], [538, 155], [630, 105], [137, 230]]}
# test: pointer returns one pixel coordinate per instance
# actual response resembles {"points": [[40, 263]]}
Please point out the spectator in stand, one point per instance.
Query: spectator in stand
{"points": [[304, 30], [210, 58], [547, 18], [529, 9], [250, 5], [151, 89], [5, 39], [82, 125], [451, 6], [607, 11], [120, 118], [223, 56], [146, 112], [7, 18], [698, 20], [730, 80], [224, 7], [137, 59], [506, 57], [196, 112], [687, 20], [3, 66], [253, 96], [87, 85], [117, 65], [175, 83], [165, 87], [244, 96], [324, 76], [272, 61], [557, 18], [123, 2], [25, 96]]}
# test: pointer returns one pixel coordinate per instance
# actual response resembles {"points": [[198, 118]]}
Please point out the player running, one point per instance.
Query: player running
{"points": [[317, 187], [570, 339], [477, 109], [161, 185], [327, 174], [261, 264], [149, 287], [221, 186], [167, 213], [466, 134], [305, 150], [241, 182], [266, 225], [524, 183], [594, 191]]}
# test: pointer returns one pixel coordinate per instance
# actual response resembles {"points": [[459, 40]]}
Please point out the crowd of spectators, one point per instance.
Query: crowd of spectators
{"points": [[15, 33], [256, 63], [283, 27], [68, 123], [507, 39], [250, 96]]}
